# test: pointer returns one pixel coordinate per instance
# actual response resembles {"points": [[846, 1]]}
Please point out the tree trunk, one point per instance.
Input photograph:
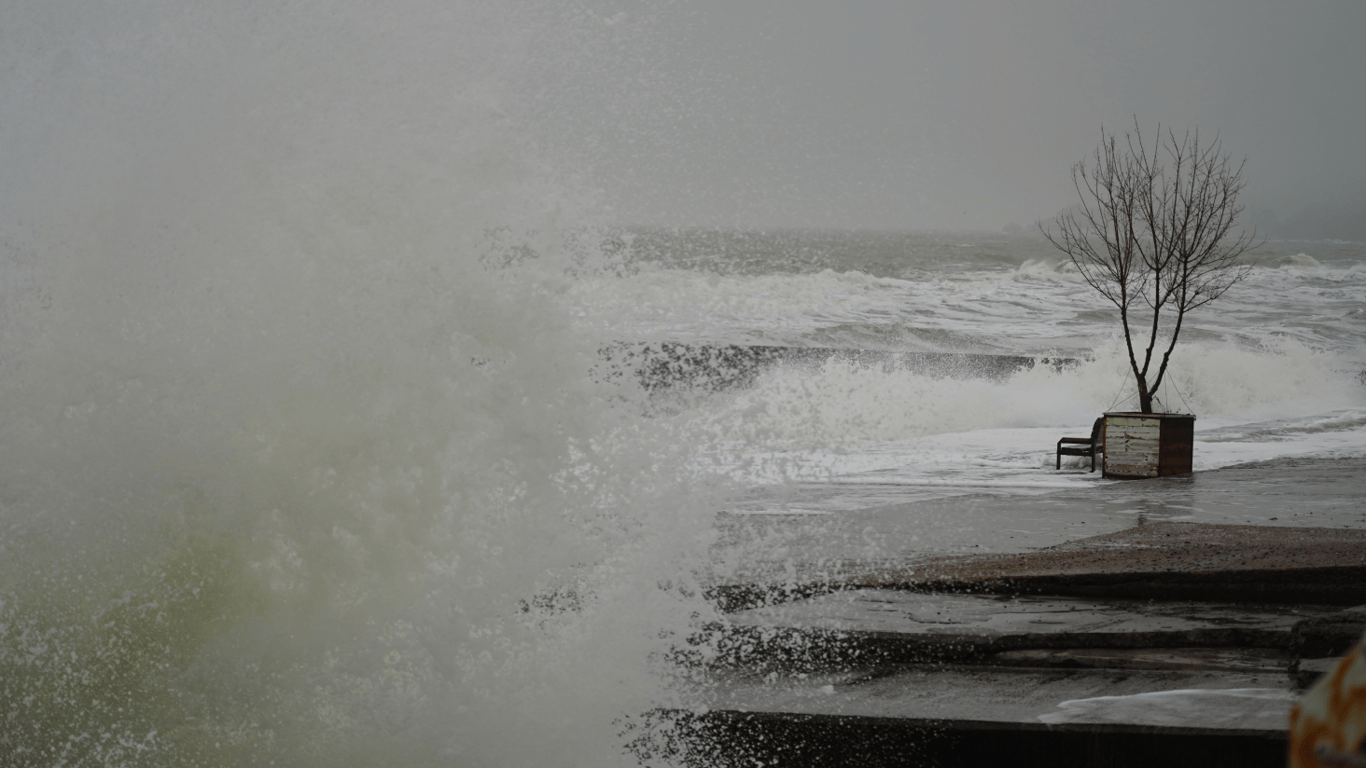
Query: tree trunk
{"points": [[1145, 398]]}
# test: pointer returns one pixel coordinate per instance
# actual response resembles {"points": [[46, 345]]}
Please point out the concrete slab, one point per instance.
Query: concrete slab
{"points": [[1037, 622], [731, 739], [844, 629], [1163, 547], [1168, 560], [972, 716], [1106, 627], [874, 536], [1269, 660], [1258, 701]]}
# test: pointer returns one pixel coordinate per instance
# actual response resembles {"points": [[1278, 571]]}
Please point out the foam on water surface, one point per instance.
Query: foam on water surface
{"points": [[880, 431], [921, 292]]}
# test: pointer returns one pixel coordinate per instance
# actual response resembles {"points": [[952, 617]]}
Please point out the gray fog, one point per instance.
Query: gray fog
{"points": [[909, 114]]}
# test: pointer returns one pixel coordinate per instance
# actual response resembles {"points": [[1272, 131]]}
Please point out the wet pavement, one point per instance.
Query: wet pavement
{"points": [[995, 622], [1130, 624], [1010, 658], [1242, 701], [1318, 493]]}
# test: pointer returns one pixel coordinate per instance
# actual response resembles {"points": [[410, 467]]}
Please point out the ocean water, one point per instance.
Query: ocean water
{"points": [[308, 452], [1273, 369]]}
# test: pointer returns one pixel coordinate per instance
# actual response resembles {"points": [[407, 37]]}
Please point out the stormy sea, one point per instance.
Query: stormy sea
{"points": [[339, 427]]}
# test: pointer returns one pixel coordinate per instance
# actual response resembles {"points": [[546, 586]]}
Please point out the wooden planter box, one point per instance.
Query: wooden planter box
{"points": [[1147, 444]]}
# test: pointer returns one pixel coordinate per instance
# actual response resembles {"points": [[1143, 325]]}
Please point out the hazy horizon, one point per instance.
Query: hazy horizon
{"points": [[890, 115]]}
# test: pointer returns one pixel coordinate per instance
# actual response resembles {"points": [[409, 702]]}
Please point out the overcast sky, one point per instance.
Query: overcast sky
{"points": [[911, 114], [900, 114]]}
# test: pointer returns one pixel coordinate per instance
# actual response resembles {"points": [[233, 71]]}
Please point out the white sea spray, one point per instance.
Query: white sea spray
{"points": [[303, 459]]}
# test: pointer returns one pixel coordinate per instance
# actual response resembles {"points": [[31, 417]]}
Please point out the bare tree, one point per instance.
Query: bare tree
{"points": [[1154, 229]]}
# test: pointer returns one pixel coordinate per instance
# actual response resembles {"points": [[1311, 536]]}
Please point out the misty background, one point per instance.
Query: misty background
{"points": [[909, 115], [885, 114]]}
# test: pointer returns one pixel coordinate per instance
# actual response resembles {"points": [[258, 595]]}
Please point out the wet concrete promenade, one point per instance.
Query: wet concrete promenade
{"points": [[1180, 641]]}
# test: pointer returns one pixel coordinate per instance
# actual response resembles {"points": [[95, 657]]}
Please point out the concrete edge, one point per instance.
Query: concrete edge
{"points": [[806, 649], [1331, 585], [940, 724], [725, 738]]}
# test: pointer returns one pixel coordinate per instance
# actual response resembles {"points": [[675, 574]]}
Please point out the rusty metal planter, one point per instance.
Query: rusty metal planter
{"points": [[1141, 445]]}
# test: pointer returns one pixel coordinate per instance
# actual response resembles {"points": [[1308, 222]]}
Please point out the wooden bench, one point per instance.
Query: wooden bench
{"points": [[1083, 446]]}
